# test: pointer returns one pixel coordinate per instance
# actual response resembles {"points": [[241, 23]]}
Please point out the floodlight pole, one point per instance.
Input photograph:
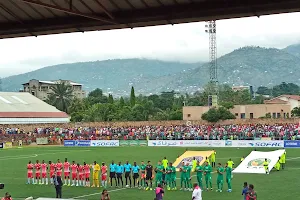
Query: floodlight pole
{"points": [[211, 29]]}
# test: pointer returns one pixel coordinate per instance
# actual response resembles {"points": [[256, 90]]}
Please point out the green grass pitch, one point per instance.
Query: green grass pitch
{"points": [[278, 185]]}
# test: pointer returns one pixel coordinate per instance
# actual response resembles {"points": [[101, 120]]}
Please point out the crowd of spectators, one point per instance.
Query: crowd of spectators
{"points": [[183, 132]]}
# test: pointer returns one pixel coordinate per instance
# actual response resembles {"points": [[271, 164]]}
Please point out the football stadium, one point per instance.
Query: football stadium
{"points": [[87, 164], [274, 185]]}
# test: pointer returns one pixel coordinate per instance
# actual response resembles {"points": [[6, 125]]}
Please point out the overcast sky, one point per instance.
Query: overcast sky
{"points": [[183, 42]]}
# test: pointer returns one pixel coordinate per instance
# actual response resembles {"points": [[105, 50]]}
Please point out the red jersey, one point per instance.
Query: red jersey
{"points": [[80, 169], [52, 167], [74, 168], [37, 167], [86, 169], [66, 167], [44, 167], [29, 168], [59, 166], [104, 170]]}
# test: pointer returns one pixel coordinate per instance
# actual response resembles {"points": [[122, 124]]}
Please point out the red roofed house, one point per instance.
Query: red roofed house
{"points": [[292, 100], [24, 108]]}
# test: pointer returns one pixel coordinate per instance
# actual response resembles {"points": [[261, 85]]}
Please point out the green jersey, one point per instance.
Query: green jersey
{"points": [[207, 169], [199, 170], [173, 173], [228, 172], [159, 169], [168, 171], [143, 168], [188, 170], [182, 173], [220, 172]]}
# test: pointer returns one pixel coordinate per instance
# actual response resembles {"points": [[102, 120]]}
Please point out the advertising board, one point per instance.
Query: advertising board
{"points": [[186, 143], [105, 143], [133, 143], [77, 143], [7, 145], [216, 143], [254, 143], [43, 140], [1, 145], [292, 143]]}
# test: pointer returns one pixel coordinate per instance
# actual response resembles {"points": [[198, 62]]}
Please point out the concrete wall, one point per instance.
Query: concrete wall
{"points": [[242, 111]]}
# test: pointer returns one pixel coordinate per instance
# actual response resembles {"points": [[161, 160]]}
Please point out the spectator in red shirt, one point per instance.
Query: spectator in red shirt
{"points": [[7, 196]]}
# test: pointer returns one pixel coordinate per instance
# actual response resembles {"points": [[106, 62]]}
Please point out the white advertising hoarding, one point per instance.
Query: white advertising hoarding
{"points": [[186, 143], [254, 143], [105, 143], [253, 163]]}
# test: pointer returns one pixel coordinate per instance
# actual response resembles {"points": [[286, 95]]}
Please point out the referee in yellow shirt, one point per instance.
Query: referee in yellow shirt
{"points": [[165, 162], [213, 158], [266, 166], [96, 174]]}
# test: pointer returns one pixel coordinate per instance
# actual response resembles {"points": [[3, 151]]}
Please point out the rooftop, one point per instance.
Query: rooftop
{"points": [[20, 18], [24, 105], [55, 82]]}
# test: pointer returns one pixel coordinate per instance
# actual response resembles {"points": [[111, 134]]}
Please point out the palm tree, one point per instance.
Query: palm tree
{"points": [[61, 96]]}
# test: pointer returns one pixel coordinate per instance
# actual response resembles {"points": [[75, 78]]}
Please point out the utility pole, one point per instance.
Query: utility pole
{"points": [[211, 29]]}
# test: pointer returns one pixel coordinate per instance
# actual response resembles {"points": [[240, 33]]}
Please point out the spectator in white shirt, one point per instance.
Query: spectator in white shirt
{"points": [[197, 193]]}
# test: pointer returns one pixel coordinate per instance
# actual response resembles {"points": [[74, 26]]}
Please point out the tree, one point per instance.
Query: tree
{"points": [[263, 90], [96, 96], [110, 99], [227, 105], [216, 114], [296, 112], [61, 96], [122, 102], [132, 97], [285, 88], [211, 116], [77, 110]]}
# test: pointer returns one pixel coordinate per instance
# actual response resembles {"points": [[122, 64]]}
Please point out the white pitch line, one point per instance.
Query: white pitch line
{"points": [[33, 155], [293, 158], [87, 195]]}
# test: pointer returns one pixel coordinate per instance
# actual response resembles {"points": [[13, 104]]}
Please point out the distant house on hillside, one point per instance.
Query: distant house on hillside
{"points": [[292, 100], [41, 89], [241, 88]]}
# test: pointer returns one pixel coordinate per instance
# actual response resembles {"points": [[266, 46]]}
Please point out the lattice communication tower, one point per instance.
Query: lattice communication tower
{"points": [[211, 29]]}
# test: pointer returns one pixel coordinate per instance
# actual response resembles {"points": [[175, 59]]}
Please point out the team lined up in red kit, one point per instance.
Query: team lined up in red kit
{"points": [[80, 173]]}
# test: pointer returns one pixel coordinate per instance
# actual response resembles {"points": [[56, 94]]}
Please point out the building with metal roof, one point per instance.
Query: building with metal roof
{"points": [[24, 108], [19, 18]]}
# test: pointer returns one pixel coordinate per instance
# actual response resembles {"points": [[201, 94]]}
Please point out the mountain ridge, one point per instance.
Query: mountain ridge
{"points": [[250, 65]]}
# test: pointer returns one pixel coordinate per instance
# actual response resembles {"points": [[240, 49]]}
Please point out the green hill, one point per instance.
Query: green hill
{"points": [[293, 49], [244, 66], [115, 76]]}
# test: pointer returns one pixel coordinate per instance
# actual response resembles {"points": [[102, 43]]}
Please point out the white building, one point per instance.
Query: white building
{"points": [[292, 100]]}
